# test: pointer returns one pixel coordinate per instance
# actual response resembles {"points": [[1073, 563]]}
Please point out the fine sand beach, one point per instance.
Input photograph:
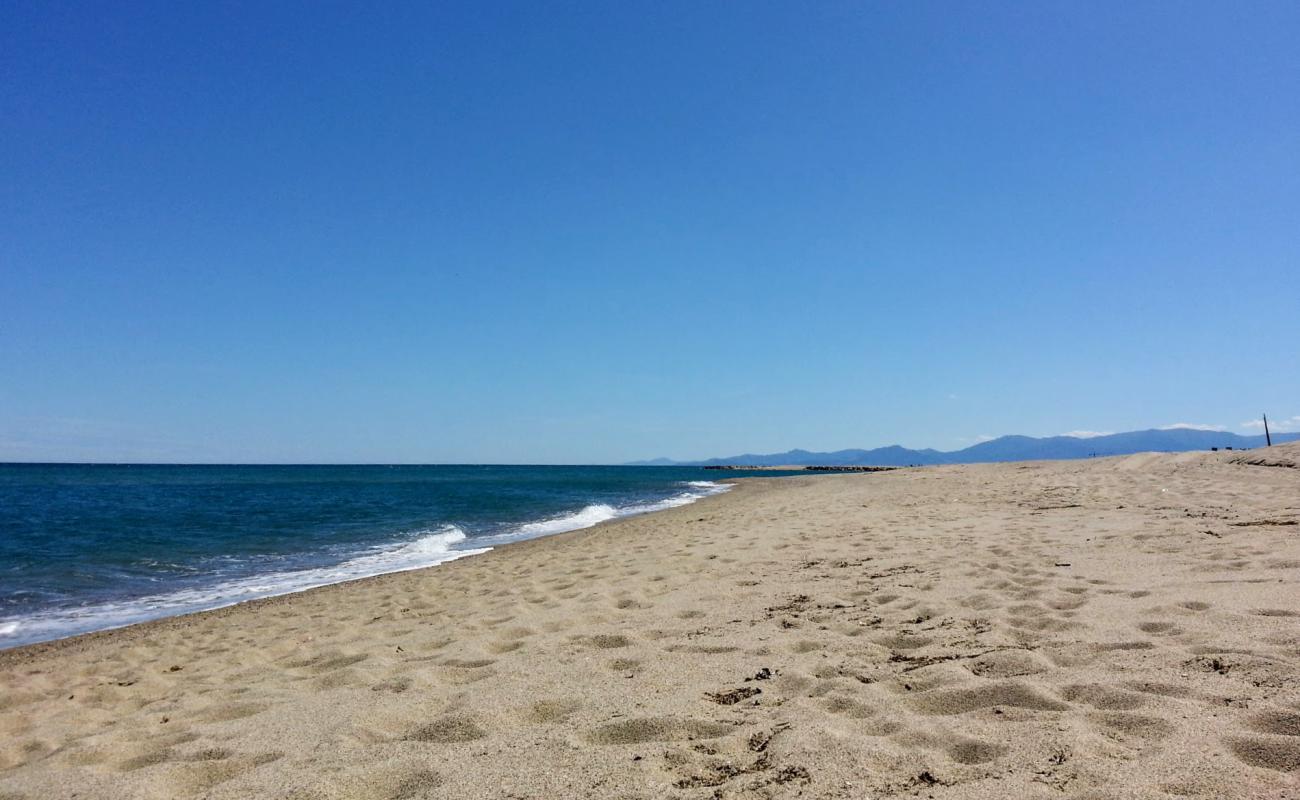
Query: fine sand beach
{"points": [[1115, 628]]}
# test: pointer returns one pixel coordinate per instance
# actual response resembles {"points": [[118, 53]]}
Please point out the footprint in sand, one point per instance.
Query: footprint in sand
{"points": [[145, 760], [406, 780], [903, 641], [928, 678], [396, 685], [1158, 627], [1008, 664], [1281, 753], [415, 783], [604, 641], [1102, 697], [447, 730], [549, 711], [205, 773], [656, 729], [1278, 723], [1067, 604], [961, 701], [973, 751], [1137, 726]]}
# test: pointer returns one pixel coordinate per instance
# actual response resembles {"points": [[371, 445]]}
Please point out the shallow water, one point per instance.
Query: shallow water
{"points": [[86, 547]]}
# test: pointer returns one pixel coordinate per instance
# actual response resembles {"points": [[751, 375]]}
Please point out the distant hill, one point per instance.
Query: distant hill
{"points": [[1004, 448]]}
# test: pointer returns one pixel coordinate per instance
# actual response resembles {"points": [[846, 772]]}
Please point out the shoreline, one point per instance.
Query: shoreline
{"points": [[1118, 627], [805, 468], [78, 642], [492, 541]]}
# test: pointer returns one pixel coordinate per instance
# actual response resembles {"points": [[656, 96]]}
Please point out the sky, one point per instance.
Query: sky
{"points": [[599, 232]]}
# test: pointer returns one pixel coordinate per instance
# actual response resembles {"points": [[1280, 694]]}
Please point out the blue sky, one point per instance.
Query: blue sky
{"points": [[599, 232]]}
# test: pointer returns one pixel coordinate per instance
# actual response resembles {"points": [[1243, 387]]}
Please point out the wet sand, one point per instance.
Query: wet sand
{"points": [[1116, 628]]}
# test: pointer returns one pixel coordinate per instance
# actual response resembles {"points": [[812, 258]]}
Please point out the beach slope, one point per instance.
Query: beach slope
{"points": [[1113, 628]]}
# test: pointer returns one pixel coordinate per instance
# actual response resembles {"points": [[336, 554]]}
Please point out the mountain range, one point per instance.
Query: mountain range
{"points": [[1004, 448]]}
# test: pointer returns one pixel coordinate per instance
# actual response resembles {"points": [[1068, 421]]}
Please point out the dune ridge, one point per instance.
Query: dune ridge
{"points": [[1112, 628]]}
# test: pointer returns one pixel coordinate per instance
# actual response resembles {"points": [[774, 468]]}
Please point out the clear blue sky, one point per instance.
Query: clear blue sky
{"points": [[566, 232]]}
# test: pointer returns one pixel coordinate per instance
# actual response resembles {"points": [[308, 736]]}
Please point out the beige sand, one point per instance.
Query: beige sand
{"points": [[1122, 628]]}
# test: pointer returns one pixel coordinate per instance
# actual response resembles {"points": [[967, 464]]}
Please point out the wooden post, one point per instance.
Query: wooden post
{"points": [[1267, 438]]}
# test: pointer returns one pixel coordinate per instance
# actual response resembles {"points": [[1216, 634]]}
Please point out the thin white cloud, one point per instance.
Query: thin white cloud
{"points": [[1191, 426], [1086, 434], [1286, 425]]}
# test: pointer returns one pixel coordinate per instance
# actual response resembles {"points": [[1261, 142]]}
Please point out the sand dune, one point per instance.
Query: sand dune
{"points": [[1118, 628]]}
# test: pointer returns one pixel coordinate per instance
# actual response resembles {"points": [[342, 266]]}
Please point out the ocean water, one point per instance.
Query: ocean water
{"points": [[88, 547]]}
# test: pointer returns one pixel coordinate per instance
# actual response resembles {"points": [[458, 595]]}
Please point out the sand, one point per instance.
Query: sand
{"points": [[1116, 628]]}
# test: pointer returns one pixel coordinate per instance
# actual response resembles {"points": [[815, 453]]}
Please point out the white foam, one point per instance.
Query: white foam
{"points": [[595, 514], [587, 517], [429, 549], [684, 498]]}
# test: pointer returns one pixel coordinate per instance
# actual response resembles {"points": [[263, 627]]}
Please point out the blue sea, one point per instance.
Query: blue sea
{"points": [[88, 547]]}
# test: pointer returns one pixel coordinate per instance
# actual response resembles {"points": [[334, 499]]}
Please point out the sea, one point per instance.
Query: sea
{"points": [[90, 547]]}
